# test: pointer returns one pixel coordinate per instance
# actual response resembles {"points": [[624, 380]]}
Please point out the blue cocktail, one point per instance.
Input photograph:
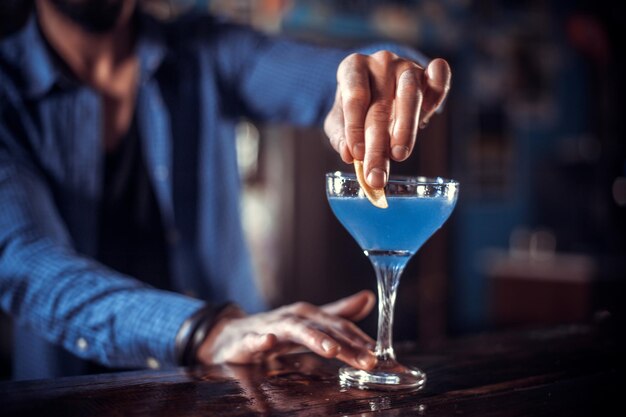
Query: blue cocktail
{"points": [[418, 206]]}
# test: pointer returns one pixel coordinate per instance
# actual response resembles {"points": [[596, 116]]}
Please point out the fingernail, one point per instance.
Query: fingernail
{"points": [[327, 345], [358, 151], [399, 152], [376, 178], [365, 359]]}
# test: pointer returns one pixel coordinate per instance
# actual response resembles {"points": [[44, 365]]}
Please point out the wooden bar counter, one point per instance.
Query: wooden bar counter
{"points": [[571, 370]]}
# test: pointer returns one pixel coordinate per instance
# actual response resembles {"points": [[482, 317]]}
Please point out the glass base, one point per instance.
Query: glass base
{"points": [[388, 376]]}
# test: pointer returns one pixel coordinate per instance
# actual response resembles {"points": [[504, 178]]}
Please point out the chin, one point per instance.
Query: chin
{"points": [[96, 16]]}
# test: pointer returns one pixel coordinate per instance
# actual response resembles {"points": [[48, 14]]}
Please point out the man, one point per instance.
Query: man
{"points": [[119, 189]]}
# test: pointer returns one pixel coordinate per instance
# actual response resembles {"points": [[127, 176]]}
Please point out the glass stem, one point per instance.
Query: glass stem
{"points": [[388, 270]]}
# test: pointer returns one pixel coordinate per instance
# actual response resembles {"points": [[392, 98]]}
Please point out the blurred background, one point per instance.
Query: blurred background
{"points": [[534, 129]]}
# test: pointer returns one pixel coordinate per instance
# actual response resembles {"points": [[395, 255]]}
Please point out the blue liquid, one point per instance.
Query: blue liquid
{"points": [[404, 226]]}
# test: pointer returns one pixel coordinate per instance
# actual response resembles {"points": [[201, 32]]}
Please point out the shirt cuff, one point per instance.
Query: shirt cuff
{"points": [[148, 335]]}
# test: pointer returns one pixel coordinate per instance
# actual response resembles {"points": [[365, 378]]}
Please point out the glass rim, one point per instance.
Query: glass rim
{"points": [[399, 179]]}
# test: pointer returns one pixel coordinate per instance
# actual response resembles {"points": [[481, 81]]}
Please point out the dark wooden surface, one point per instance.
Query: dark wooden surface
{"points": [[568, 370]]}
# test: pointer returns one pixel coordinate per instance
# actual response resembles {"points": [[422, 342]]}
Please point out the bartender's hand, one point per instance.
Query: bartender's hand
{"points": [[381, 102], [328, 331]]}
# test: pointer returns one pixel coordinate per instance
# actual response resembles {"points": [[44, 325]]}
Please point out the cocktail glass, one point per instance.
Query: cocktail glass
{"points": [[418, 207]]}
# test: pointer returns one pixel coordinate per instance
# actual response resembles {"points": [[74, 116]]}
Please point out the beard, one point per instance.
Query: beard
{"points": [[94, 16]]}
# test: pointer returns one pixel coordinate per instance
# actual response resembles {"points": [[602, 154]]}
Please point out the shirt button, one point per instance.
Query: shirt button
{"points": [[161, 173], [82, 344], [152, 363]]}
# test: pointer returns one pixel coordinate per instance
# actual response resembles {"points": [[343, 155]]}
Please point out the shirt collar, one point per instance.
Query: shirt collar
{"points": [[39, 71], [151, 45], [28, 52]]}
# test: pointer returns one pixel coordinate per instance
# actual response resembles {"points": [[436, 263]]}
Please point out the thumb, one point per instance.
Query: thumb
{"points": [[437, 84], [354, 307]]}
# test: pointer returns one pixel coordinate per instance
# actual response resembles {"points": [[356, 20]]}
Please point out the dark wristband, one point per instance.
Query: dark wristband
{"points": [[193, 332]]}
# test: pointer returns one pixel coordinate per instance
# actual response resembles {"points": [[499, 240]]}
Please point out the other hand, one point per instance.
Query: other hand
{"points": [[328, 330], [381, 102]]}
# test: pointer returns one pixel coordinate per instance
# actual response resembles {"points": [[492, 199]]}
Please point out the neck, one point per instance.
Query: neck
{"points": [[93, 58]]}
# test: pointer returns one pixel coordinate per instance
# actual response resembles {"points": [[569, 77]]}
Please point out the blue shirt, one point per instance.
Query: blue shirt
{"points": [[198, 77]]}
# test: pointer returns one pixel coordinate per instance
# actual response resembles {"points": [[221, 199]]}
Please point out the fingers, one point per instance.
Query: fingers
{"points": [[353, 353], [326, 334], [378, 119], [381, 102], [335, 129], [323, 330], [337, 324], [305, 332], [355, 345], [354, 88], [251, 348], [354, 307], [325, 341], [437, 79], [408, 102]]}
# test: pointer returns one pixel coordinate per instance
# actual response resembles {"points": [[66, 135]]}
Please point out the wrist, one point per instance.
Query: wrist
{"points": [[193, 332], [206, 350]]}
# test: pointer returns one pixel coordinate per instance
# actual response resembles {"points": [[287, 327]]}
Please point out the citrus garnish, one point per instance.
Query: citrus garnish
{"points": [[376, 196]]}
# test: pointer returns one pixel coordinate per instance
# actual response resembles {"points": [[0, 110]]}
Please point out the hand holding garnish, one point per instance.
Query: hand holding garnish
{"points": [[380, 103]]}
